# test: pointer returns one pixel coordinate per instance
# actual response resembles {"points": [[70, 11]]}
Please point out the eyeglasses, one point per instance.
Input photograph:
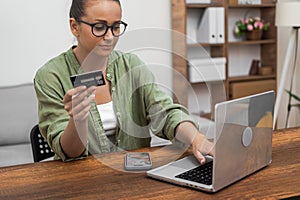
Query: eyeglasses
{"points": [[100, 29]]}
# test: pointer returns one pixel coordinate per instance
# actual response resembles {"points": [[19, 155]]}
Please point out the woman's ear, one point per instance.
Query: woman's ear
{"points": [[74, 27]]}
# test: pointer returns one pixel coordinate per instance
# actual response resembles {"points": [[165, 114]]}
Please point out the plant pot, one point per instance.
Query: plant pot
{"points": [[254, 35]]}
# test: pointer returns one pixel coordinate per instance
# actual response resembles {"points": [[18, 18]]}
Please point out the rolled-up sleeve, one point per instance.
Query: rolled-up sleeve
{"points": [[52, 116]]}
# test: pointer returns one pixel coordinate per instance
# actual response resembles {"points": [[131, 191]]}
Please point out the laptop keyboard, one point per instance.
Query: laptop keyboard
{"points": [[201, 174]]}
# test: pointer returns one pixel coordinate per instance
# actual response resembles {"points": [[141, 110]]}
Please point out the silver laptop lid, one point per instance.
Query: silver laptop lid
{"points": [[243, 137]]}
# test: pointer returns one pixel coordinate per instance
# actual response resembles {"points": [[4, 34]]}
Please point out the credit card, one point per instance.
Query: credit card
{"points": [[94, 78]]}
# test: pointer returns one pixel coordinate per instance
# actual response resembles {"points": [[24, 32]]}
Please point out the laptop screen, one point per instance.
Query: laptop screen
{"points": [[243, 137]]}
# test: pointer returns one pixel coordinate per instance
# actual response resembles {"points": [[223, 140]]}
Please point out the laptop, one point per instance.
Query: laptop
{"points": [[242, 144]]}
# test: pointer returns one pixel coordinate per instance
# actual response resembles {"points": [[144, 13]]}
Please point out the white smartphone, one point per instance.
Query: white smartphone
{"points": [[138, 161]]}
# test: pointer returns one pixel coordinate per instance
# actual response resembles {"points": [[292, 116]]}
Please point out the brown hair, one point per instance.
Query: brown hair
{"points": [[78, 8]]}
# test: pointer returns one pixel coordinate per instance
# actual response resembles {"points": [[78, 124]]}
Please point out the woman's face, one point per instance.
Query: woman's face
{"points": [[104, 11]]}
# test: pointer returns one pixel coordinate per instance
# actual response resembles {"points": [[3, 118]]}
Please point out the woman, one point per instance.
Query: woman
{"points": [[119, 114]]}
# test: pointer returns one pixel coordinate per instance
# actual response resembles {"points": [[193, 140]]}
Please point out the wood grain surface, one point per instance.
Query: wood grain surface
{"points": [[103, 177]]}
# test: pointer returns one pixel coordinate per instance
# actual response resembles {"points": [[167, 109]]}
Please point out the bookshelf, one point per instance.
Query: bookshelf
{"points": [[238, 52]]}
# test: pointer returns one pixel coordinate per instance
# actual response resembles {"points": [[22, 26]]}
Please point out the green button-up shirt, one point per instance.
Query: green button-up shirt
{"points": [[138, 103]]}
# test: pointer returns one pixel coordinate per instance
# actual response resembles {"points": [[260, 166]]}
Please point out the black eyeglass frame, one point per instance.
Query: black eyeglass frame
{"points": [[107, 27]]}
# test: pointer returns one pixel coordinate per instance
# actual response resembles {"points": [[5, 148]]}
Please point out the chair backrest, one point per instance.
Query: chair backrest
{"points": [[18, 106], [40, 147]]}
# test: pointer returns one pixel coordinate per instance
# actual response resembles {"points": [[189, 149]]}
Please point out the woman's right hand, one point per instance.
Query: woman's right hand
{"points": [[77, 102]]}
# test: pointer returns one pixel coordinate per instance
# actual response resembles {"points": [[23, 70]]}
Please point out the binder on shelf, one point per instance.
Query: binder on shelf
{"points": [[206, 69], [220, 25], [192, 25], [249, 1], [211, 27]]}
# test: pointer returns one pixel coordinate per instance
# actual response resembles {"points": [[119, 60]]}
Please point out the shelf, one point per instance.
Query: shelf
{"points": [[205, 45], [270, 5], [264, 50], [250, 42], [206, 116], [206, 83], [203, 5], [250, 78]]}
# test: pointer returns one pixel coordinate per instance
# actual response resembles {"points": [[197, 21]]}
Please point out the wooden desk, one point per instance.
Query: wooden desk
{"points": [[91, 179]]}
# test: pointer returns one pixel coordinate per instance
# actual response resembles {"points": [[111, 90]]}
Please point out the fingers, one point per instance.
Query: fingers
{"points": [[81, 110], [201, 146], [207, 147], [200, 157], [77, 101], [74, 91], [68, 98], [212, 152]]}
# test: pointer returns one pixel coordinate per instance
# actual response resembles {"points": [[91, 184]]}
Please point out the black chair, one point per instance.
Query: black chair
{"points": [[40, 147]]}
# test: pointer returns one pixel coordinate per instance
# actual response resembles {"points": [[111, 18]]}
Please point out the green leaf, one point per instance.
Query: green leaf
{"points": [[293, 95], [242, 27], [296, 105]]}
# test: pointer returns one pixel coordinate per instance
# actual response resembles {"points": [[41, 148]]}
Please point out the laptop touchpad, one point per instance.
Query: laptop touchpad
{"points": [[187, 162]]}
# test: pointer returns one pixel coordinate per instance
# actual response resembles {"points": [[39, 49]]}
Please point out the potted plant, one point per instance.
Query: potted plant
{"points": [[253, 27]]}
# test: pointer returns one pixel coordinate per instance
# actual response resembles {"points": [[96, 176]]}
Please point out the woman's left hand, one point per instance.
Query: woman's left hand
{"points": [[201, 147], [187, 133]]}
